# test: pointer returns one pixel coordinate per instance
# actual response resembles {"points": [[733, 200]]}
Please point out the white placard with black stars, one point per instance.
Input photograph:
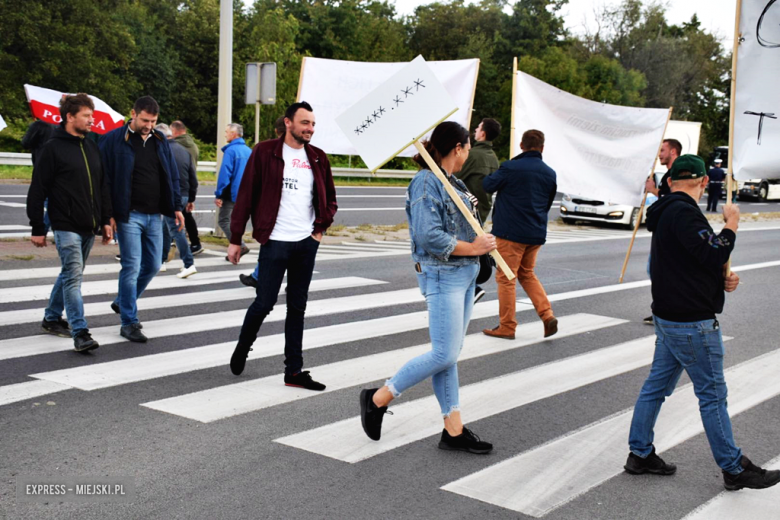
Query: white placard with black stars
{"points": [[396, 113]]}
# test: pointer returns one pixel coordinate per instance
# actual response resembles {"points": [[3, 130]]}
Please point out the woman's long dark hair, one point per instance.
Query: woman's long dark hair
{"points": [[445, 137]]}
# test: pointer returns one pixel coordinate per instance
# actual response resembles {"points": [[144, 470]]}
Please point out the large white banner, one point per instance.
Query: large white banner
{"points": [[757, 104], [2, 124], [688, 133], [598, 151], [333, 86]]}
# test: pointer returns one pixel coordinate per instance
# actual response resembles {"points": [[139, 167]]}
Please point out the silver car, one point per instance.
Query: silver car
{"points": [[591, 210]]}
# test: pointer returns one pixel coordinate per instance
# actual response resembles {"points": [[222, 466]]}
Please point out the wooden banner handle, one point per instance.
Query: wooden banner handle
{"points": [[461, 206], [644, 199]]}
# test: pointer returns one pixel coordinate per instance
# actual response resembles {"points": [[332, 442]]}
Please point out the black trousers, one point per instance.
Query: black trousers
{"points": [[297, 259], [192, 229], [713, 195]]}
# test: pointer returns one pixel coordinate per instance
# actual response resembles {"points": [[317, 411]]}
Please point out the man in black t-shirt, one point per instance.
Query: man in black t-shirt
{"points": [[144, 181]]}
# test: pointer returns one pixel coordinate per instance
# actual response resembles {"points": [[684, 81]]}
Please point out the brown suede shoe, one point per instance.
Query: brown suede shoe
{"points": [[550, 327], [496, 333]]}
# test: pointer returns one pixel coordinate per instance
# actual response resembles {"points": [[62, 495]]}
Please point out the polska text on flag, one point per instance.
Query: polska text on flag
{"points": [[45, 105]]}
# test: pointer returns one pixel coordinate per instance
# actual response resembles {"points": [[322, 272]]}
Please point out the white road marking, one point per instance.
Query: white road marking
{"points": [[416, 420], [28, 390], [176, 300], [227, 401], [748, 503], [544, 478], [44, 344]]}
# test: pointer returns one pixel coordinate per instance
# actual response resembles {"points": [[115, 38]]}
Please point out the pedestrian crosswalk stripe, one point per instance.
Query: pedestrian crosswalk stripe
{"points": [[227, 401], [95, 288], [28, 390], [44, 344], [123, 371], [194, 298], [114, 267], [416, 420], [544, 478], [755, 504]]}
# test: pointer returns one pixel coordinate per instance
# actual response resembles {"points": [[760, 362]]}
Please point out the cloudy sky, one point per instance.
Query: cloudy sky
{"points": [[717, 16]]}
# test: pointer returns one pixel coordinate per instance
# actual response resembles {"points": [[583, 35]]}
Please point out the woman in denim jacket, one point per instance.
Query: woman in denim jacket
{"points": [[446, 251]]}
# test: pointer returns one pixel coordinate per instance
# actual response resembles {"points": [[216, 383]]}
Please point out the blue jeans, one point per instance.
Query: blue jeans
{"points": [[698, 349], [170, 229], [140, 246], [449, 292], [297, 259], [73, 249], [256, 273]]}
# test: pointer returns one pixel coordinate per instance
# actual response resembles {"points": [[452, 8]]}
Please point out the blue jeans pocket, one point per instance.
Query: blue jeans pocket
{"points": [[421, 281], [682, 347]]}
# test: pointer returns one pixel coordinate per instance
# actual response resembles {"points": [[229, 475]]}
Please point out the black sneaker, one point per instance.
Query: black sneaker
{"points": [[196, 250], [58, 328], [371, 415], [303, 380], [115, 307], [752, 477], [648, 320], [83, 342], [636, 465], [479, 292], [244, 250], [248, 280], [466, 441], [133, 333], [238, 360]]}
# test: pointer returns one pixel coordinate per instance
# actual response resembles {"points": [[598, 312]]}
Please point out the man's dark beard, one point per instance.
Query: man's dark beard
{"points": [[299, 138]]}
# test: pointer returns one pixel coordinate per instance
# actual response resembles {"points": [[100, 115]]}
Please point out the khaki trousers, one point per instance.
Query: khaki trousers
{"points": [[521, 259]]}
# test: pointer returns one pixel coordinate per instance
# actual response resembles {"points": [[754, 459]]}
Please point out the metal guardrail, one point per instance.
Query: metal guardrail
{"points": [[25, 159]]}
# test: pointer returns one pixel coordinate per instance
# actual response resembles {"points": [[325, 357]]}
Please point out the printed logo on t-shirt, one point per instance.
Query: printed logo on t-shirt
{"points": [[297, 163]]}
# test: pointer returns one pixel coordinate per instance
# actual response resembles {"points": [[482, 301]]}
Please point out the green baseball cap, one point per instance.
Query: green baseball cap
{"points": [[688, 166]]}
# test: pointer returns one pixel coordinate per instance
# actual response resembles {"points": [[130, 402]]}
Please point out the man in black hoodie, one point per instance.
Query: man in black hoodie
{"points": [[688, 273], [68, 172]]}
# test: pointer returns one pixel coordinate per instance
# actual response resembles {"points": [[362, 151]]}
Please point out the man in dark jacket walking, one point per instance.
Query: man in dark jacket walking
{"points": [[188, 186], [526, 189], [144, 182], [288, 190], [68, 172], [482, 162], [688, 267], [180, 135]]}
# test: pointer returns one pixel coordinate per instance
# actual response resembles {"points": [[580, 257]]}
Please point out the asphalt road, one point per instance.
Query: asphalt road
{"points": [[248, 451], [357, 205]]}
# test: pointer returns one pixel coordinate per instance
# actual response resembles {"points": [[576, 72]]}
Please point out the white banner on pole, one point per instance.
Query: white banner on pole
{"points": [[598, 151], [333, 86], [757, 105], [688, 133], [396, 113], [2, 124]]}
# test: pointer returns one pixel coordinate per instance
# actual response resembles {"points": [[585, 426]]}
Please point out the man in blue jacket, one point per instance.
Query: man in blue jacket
{"points": [[235, 155], [526, 189], [144, 183]]}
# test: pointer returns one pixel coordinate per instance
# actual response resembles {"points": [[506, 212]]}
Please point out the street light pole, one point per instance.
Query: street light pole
{"points": [[225, 93]]}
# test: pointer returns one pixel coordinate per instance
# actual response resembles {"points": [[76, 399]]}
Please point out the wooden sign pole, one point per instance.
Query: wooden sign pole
{"points": [[512, 109], [732, 111], [461, 206], [644, 199]]}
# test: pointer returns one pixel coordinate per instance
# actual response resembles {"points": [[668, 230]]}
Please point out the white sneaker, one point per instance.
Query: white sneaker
{"points": [[163, 267], [184, 273]]}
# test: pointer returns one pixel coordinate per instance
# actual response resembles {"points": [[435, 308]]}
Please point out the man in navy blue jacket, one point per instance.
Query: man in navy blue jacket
{"points": [[526, 189], [144, 183]]}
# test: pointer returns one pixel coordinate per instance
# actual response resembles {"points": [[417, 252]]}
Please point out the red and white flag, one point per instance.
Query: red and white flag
{"points": [[2, 123], [45, 105]]}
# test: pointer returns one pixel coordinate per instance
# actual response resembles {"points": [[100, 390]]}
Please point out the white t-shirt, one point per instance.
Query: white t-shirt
{"points": [[295, 220]]}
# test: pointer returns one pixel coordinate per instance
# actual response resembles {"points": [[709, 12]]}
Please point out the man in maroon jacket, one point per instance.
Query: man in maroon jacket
{"points": [[287, 189]]}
